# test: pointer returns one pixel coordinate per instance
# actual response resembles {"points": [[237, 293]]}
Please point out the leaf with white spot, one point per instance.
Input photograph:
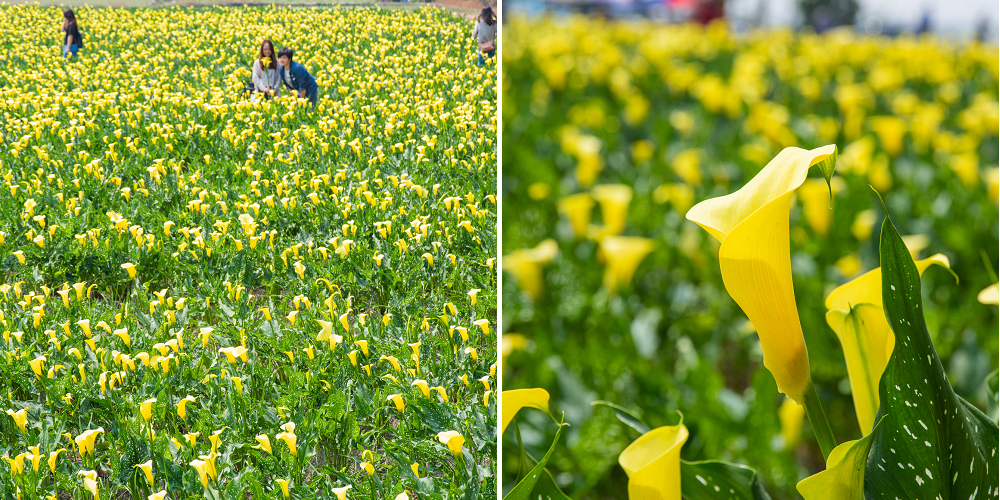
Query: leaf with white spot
{"points": [[932, 443], [714, 479]]}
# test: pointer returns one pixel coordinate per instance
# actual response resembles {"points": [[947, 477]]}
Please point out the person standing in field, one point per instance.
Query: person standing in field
{"points": [[295, 76], [72, 40], [485, 33], [265, 72]]}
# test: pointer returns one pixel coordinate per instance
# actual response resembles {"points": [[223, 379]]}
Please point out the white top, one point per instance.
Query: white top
{"points": [[264, 78]]}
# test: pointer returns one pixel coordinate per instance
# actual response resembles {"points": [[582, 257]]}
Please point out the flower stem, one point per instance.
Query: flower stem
{"points": [[817, 419]]}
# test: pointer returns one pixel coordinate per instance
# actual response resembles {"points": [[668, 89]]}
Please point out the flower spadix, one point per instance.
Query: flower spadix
{"points": [[653, 463], [855, 314], [752, 225]]}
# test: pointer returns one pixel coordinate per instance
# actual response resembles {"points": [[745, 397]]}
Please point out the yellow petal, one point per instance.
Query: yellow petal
{"points": [[990, 295], [844, 474], [514, 400], [653, 463], [752, 225], [856, 316]]}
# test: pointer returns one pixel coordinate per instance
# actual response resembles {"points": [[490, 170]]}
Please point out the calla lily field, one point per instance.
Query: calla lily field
{"points": [[205, 296], [755, 265]]}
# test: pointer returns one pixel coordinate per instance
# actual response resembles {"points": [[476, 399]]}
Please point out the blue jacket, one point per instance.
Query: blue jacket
{"points": [[301, 79]]}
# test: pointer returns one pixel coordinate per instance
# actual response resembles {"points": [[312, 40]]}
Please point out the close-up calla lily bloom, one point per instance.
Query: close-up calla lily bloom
{"points": [[855, 314], [20, 418], [990, 295], [752, 225], [653, 463]]}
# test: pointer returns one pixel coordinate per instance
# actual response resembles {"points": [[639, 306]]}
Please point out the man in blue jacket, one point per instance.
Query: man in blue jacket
{"points": [[295, 76]]}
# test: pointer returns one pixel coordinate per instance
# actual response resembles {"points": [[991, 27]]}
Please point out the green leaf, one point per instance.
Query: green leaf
{"points": [[522, 490], [713, 479], [932, 444], [546, 489], [627, 416]]}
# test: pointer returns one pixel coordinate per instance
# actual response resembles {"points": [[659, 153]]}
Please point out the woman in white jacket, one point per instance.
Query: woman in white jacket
{"points": [[265, 72]]}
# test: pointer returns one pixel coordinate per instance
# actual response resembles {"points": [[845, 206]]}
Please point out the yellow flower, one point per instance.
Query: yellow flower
{"points": [[91, 485], [855, 314], [516, 399], [483, 324], [341, 492], [130, 268], [300, 270], [990, 295], [397, 400], [526, 266], [20, 418], [752, 225], [202, 467], [146, 408], [424, 388], [791, 414], [234, 352], [265, 443], [53, 456], [472, 295], [37, 365], [147, 468], [363, 344], [576, 208], [614, 200], [289, 436], [85, 441], [182, 408], [283, 482], [623, 254], [160, 495], [653, 463], [453, 440], [122, 333]]}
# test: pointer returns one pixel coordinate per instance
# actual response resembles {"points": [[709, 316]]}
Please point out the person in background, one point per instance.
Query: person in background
{"points": [[72, 40], [265, 72], [485, 33], [295, 76]]}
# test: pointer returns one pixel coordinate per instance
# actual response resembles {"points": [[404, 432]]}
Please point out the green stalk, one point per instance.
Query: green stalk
{"points": [[818, 421]]}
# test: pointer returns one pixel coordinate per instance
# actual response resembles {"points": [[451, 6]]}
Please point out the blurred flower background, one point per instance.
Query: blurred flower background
{"points": [[612, 130]]}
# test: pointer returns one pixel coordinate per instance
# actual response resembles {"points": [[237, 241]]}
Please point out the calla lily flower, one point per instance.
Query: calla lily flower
{"points": [[37, 365], [20, 418], [397, 400], [855, 314], [453, 440], [341, 492], [147, 468], [202, 467], [181, 406], [265, 443], [526, 266], [424, 388], [483, 324], [752, 225], [623, 254], [990, 295], [130, 268], [160, 495], [146, 408], [284, 486], [472, 295], [53, 456], [289, 438], [234, 352], [516, 399], [614, 200], [577, 207], [653, 463], [85, 441]]}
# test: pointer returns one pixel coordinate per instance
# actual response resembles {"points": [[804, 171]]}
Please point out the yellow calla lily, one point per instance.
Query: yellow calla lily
{"points": [[265, 443], [653, 463], [855, 314], [790, 414], [623, 254], [453, 440], [516, 399], [752, 225], [576, 208], [20, 418], [147, 468], [284, 486], [844, 474], [341, 492], [160, 495], [526, 266], [990, 295], [146, 408], [130, 268], [182, 406], [398, 401], [614, 200]]}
